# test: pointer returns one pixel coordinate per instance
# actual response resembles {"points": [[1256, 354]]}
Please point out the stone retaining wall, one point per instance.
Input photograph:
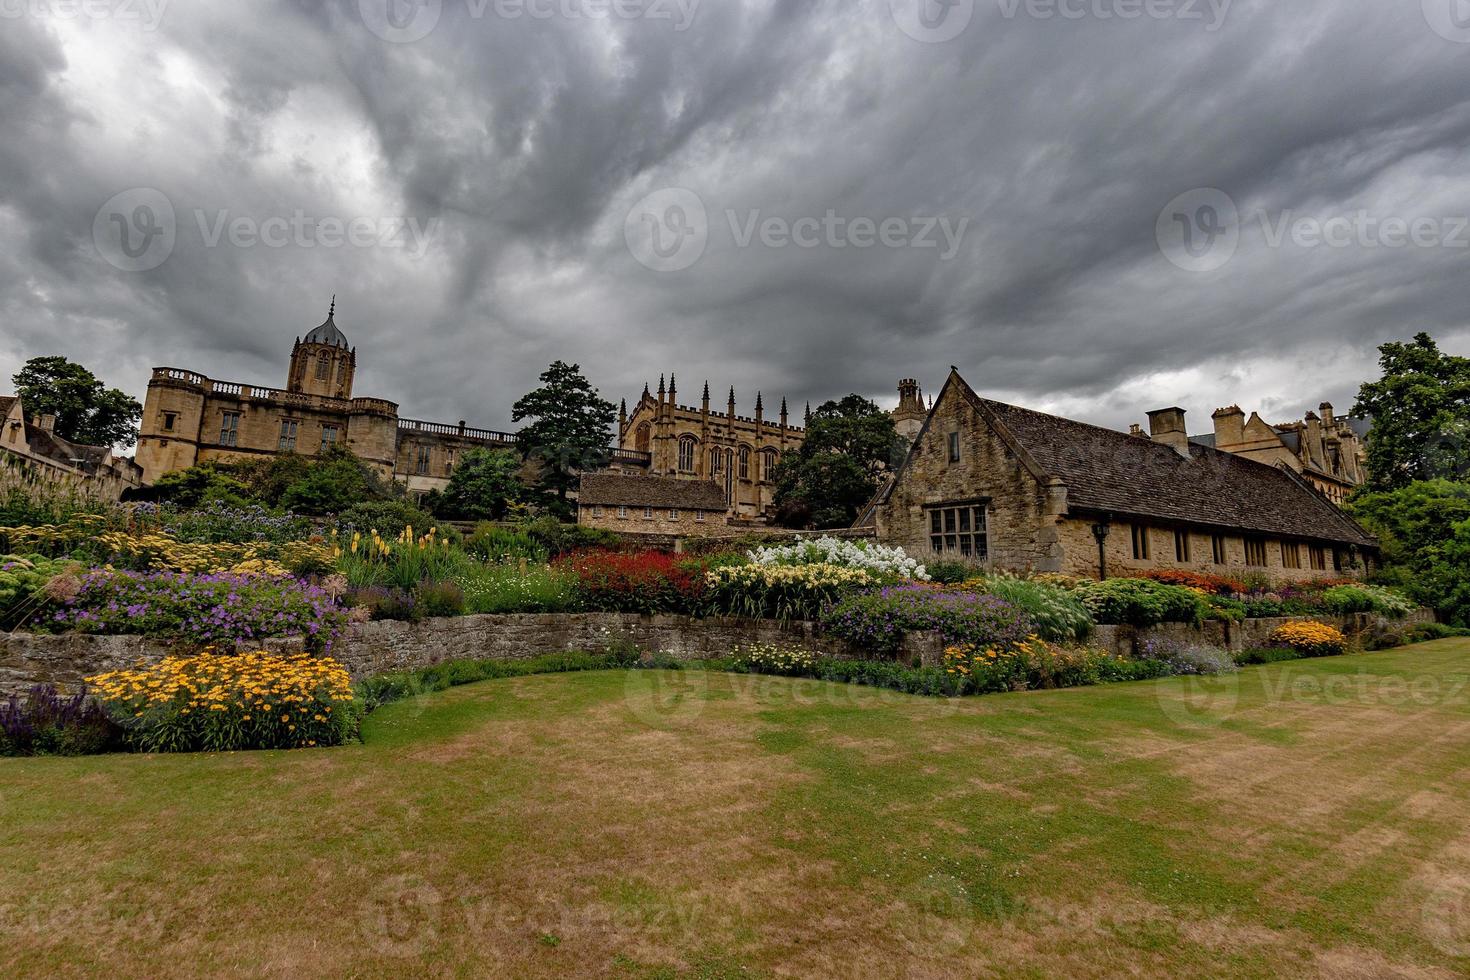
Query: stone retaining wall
{"points": [[376, 648]]}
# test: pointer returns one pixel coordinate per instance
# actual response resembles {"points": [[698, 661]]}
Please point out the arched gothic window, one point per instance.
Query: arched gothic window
{"points": [[745, 462], [643, 438], [323, 366], [688, 447]]}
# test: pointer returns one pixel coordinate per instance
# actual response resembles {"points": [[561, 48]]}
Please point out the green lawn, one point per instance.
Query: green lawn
{"points": [[1300, 819]]}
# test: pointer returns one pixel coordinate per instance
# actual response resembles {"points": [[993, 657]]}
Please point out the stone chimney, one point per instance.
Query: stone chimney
{"points": [[1229, 428], [1166, 425], [1329, 417], [1312, 443], [46, 423], [1136, 431]]}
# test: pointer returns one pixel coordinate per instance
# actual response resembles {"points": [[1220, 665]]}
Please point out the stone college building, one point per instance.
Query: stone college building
{"points": [[1025, 491]]}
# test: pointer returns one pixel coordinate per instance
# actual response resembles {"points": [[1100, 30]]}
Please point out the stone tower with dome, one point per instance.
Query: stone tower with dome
{"points": [[189, 418]]}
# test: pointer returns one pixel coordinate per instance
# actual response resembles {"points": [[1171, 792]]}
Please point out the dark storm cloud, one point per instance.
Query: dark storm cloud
{"points": [[519, 145]]}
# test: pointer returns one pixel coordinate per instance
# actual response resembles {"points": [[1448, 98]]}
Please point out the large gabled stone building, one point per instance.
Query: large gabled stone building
{"points": [[1024, 491]]}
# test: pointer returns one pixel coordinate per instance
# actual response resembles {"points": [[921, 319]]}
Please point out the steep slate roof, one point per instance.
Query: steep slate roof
{"points": [[6, 403], [1113, 472], [328, 333], [659, 492]]}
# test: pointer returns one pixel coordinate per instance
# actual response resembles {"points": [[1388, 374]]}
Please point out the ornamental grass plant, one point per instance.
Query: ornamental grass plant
{"points": [[877, 620], [786, 592]]}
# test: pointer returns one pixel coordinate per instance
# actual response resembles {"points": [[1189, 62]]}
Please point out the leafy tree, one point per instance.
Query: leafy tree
{"points": [[1421, 415], [334, 482], [569, 430], [86, 410], [848, 446], [482, 487], [200, 485], [269, 479], [1424, 531], [387, 517]]}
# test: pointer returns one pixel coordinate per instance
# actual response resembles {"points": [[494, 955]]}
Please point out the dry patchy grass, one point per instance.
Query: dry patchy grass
{"points": [[1299, 818]]}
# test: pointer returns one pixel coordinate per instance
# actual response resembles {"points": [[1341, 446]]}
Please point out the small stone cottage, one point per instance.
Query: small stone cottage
{"points": [[650, 504], [1020, 490]]}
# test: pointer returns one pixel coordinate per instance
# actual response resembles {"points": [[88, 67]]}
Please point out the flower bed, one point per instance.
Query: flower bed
{"points": [[1310, 639], [201, 610], [877, 560], [1141, 602], [780, 592], [877, 621], [213, 703], [641, 582]]}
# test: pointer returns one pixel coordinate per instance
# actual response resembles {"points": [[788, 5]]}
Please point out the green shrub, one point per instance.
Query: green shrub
{"points": [[1343, 600], [1060, 616], [501, 589], [500, 543], [1266, 655], [439, 600], [949, 572], [1140, 602], [1435, 631], [557, 538], [387, 517], [22, 579]]}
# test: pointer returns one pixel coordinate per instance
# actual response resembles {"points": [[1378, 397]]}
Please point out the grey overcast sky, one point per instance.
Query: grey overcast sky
{"points": [[1096, 207]]}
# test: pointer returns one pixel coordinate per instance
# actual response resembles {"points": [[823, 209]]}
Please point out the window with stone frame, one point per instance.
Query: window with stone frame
{"points": [[1217, 549], [688, 450], [1318, 557], [170, 419], [623, 510], [1181, 547], [422, 464], [229, 429], [342, 370], [960, 528], [768, 460], [289, 428], [745, 462], [1255, 552], [1140, 542], [716, 461], [1291, 554], [330, 433], [954, 447], [673, 513], [323, 367]]}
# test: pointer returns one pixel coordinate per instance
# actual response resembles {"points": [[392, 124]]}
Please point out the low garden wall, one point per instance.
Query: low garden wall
{"points": [[383, 647], [1363, 630]]}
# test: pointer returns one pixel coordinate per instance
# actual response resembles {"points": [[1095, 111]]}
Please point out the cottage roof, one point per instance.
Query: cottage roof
{"points": [[1113, 472], [660, 492], [7, 402]]}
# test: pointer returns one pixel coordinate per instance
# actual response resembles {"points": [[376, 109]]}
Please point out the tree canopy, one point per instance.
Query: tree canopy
{"points": [[1421, 415], [1424, 531], [86, 410], [848, 446], [483, 487], [569, 430]]}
